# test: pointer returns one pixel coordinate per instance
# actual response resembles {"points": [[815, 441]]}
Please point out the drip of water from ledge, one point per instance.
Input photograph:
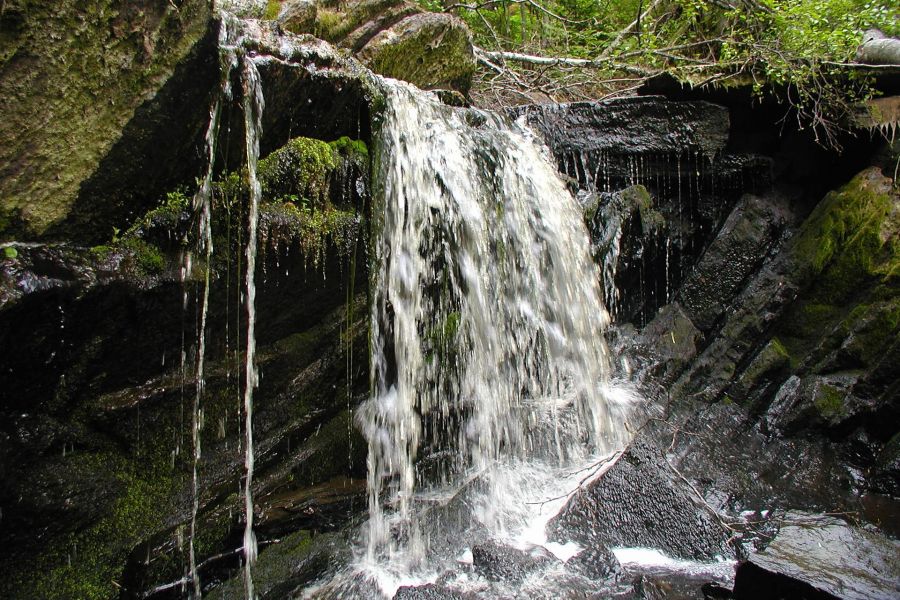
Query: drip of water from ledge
{"points": [[253, 109], [488, 361]]}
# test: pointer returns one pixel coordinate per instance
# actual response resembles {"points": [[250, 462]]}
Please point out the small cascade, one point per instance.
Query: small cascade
{"points": [[487, 324], [253, 108]]}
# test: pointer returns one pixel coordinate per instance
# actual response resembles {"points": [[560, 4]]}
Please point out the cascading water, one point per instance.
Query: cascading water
{"points": [[487, 331]]}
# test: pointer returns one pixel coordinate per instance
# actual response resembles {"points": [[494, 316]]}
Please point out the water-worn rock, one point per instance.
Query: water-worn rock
{"points": [[503, 563], [640, 502], [740, 246], [821, 557]]}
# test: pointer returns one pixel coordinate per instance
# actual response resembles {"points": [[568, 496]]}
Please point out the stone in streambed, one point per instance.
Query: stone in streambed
{"points": [[502, 563], [640, 502], [820, 557]]}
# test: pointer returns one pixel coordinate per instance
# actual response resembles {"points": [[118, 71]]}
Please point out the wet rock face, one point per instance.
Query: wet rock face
{"points": [[740, 246], [640, 502], [821, 557], [646, 125], [106, 76], [678, 153]]}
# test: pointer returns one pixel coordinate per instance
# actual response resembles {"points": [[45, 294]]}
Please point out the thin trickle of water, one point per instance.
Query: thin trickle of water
{"points": [[203, 206], [487, 319], [254, 104]]}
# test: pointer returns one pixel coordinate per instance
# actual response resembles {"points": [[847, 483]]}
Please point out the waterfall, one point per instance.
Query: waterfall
{"points": [[487, 319]]}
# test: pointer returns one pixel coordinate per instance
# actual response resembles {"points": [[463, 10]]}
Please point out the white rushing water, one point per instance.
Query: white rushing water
{"points": [[488, 362]]}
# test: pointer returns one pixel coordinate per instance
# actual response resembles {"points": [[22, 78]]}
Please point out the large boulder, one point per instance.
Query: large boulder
{"points": [[640, 502], [394, 38], [84, 80], [432, 51]]}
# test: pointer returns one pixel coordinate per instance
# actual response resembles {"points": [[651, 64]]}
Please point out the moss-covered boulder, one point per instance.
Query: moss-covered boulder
{"points": [[392, 37], [431, 51], [76, 79]]}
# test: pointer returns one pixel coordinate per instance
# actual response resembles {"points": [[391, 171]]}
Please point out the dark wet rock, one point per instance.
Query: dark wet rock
{"points": [[740, 246], [814, 401], [426, 592], [595, 562], [640, 502], [93, 449], [676, 586], [503, 563], [665, 346], [628, 238], [821, 557], [647, 125]]}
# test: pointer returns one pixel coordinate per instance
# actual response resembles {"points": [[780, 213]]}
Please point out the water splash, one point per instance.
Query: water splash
{"points": [[487, 319]]}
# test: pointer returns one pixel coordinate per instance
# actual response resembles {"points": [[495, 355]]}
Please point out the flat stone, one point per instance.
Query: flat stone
{"points": [[822, 557]]}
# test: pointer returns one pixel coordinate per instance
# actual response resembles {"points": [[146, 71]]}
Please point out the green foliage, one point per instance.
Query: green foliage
{"points": [[795, 45], [10, 252]]}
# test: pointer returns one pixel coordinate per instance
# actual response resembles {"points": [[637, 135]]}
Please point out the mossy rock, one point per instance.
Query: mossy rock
{"points": [[431, 51], [852, 239], [73, 76]]}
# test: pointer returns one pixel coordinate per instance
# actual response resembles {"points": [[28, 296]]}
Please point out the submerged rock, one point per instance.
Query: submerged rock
{"points": [[821, 557]]}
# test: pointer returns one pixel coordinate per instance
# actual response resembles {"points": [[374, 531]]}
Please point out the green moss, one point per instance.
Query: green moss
{"points": [[300, 170], [273, 7], [10, 252], [309, 228], [88, 565], [842, 243], [829, 401], [351, 148], [332, 25], [146, 258]]}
